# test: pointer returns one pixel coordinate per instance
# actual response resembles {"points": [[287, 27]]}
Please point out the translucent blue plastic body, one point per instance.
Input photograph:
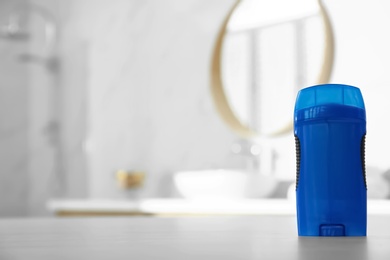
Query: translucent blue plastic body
{"points": [[330, 128]]}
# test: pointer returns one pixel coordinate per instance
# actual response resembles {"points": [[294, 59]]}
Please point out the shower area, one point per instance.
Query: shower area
{"points": [[39, 143]]}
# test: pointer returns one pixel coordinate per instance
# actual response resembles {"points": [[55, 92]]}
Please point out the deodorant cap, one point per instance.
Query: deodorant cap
{"points": [[329, 101]]}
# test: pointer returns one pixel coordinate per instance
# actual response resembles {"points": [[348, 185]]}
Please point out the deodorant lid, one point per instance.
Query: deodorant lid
{"points": [[329, 101]]}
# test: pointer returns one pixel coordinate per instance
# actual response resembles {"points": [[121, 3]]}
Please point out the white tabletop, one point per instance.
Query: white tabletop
{"points": [[138, 238]]}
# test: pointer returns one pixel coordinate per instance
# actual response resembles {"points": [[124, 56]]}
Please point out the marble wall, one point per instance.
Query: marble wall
{"points": [[142, 69], [132, 92], [149, 103], [14, 119]]}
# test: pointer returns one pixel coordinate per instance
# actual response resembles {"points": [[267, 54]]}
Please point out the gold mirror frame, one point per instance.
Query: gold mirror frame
{"points": [[217, 89]]}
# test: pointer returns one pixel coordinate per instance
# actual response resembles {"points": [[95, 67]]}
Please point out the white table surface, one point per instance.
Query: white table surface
{"points": [[185, 238]]}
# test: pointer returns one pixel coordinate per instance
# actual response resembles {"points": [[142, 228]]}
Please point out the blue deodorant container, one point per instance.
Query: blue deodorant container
{"points": [[331, 189]]}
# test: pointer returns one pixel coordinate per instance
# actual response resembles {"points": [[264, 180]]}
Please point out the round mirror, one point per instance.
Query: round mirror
{"points": [[265, 52]]}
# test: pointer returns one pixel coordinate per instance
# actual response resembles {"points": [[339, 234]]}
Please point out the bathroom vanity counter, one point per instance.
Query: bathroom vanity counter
{"points": [[178, 207], [222, 237]]}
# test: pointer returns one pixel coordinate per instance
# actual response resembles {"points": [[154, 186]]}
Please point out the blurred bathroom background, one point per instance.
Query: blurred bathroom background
{"points": [[113, 100]]}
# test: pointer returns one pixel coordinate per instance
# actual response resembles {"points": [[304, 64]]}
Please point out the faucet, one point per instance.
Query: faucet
{"points": [[260, 157]]}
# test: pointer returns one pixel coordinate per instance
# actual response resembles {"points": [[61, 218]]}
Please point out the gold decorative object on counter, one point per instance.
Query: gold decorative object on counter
{"points": [[130, 179]]}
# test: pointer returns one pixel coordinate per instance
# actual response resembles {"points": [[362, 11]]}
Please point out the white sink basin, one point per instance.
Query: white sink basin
{"points": [[223, 184]]}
